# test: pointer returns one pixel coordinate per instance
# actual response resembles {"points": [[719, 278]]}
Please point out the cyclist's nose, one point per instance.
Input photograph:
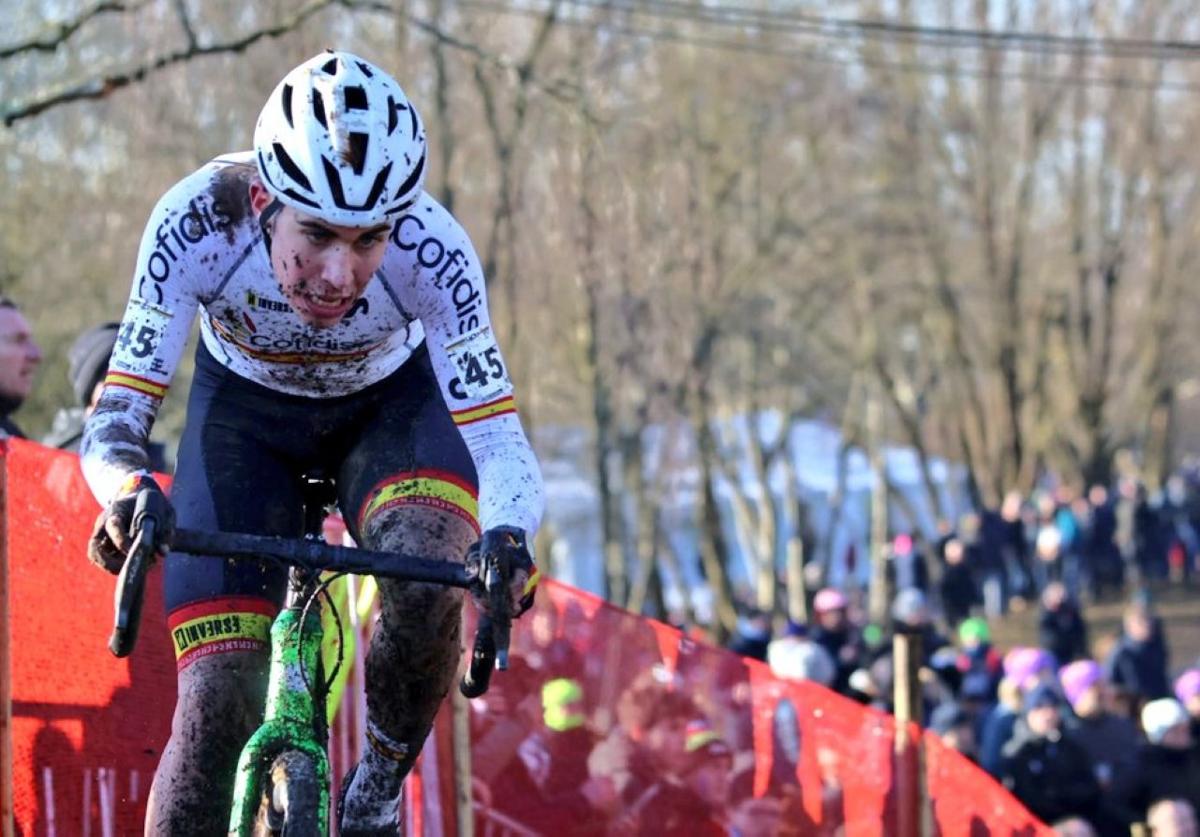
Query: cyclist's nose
{"points": [[338, 268]]}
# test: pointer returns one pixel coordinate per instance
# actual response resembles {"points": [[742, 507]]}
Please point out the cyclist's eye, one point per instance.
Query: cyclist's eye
{"points": [[369, 241], [317, 236]]}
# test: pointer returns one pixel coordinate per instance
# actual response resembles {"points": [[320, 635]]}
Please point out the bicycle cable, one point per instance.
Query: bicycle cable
{"points": [[337, 618]]}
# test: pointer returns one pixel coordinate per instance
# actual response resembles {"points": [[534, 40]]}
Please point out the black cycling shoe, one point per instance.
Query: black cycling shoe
{"points": [[351, 831]]}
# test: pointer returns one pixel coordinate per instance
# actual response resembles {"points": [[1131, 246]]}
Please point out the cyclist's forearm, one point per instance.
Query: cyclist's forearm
{"points": [[115, 441], [510, 481]]}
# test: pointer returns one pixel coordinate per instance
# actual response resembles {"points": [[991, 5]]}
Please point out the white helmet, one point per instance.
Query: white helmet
{"points": [[338, 139]]}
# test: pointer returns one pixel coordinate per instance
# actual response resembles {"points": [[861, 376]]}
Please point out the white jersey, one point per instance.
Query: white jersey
{"points": [[202, 252]]}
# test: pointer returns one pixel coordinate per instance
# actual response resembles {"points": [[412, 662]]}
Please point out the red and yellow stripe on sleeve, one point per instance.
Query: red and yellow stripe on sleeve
{"points": [[470, 415], [136, 383]]}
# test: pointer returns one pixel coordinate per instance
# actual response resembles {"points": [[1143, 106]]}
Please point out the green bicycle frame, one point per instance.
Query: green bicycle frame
{"points": [[289, 722]]}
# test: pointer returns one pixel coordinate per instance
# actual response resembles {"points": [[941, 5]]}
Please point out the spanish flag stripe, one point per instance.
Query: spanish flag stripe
{"points": [[422, 490], [133, 382], [219, 607], [496, 408], [427, 473]]}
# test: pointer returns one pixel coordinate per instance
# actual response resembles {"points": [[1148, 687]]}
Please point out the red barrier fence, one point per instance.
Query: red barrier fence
{"points": [[605, 724]]}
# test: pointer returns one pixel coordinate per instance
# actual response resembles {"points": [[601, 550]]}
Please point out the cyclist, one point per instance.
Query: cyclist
{"points": [[344, 326]]}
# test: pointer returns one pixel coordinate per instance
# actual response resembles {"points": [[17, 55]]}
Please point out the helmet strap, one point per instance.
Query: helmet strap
{"points": [[265, 218]]}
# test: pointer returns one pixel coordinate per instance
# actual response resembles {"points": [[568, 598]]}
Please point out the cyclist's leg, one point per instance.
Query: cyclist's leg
{"points": [[219, 612], [409, 486]]}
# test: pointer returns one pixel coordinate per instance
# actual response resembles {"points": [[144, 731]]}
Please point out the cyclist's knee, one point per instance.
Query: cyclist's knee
{"points": [[223, 692], [424, 531]]}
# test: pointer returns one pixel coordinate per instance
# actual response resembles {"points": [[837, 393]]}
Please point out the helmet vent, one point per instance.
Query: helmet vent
{"points": [[356, 98], [413, 179], [330, 66], [356, 152], [319, 109], [288, 92], [366, 68], [290, 168], [391, 115]]}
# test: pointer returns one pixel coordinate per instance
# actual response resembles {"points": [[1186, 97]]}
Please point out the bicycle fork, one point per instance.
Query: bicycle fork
{"points": [[290, 718]]}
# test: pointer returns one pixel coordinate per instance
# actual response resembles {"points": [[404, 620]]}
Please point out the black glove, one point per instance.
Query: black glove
{"points": [[112, 534], [524, 575]]}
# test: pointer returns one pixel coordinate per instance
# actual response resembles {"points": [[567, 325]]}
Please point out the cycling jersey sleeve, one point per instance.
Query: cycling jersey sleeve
{"points": [[445, 290], [153, 333]]}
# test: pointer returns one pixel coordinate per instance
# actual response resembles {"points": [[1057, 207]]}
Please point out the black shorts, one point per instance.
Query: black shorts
{"points": [[243, 452]]}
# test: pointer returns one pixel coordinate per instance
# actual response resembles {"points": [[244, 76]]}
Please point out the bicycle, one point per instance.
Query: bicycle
{"points": [[282, 781]]}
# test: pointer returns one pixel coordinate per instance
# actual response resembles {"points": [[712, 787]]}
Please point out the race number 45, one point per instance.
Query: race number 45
{"points": [[481, 373]]}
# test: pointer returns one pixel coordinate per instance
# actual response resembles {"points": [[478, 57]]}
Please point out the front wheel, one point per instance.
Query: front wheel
{"points": [[291, 804]]}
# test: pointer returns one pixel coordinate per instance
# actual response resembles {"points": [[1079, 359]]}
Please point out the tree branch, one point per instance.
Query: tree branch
{"points": [[98, 88], [52, 36]]}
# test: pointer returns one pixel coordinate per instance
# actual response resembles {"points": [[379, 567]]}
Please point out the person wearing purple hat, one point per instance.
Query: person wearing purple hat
{"points": [[1110, 740], [1028, 666], [1187, 689]]}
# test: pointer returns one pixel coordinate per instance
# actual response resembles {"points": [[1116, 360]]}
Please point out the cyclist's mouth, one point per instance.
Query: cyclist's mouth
{"points": [[326, 307]]}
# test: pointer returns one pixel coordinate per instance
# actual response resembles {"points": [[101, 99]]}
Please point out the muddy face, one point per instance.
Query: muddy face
{"points": [[321, 268]]}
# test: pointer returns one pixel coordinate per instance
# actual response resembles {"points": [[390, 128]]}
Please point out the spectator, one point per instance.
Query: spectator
{"points": [[953, 726], [998, 725], [910, 614], [1100, 555], [795, 657], [906, 565], [1046, 769], [1028, 666], [1061, 629], [957, 586], [1137, 664], [692, 796], [1074, 827], [978, 658], [1172, 818], [752, 635], [1168, 766], [19, 359], [87, 364], [1110, 741], [1187, 691], [550, 774], [834, 632]]}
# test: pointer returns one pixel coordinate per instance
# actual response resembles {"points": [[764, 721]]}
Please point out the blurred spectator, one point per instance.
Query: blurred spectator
{"points": [[752, 635], [953, 726], [1168, 763], [692, 796], [910, 614], [87, 364], [1187, 691], [957, 586], [1172, 818], [1061, 629], [978, 659], [906, 565], [795, 657], [1110, 741], [1137, 665], [1045, 768], [833, 631], [1026, 666], [1099, 552], [988, 539], [19, 359], [1074, 827], [550, 775], [998, 725]]}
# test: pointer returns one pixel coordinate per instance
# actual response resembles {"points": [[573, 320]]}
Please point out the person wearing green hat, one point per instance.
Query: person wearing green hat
{"points": [[978, 661], [549, 775]]}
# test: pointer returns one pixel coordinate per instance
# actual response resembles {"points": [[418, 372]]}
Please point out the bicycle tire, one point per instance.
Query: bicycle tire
{"points": [[290, 805]]}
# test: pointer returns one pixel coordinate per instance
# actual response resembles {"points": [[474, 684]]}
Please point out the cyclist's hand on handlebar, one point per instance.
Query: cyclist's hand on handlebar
{"points": [[112, 534], [509, 542]]}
